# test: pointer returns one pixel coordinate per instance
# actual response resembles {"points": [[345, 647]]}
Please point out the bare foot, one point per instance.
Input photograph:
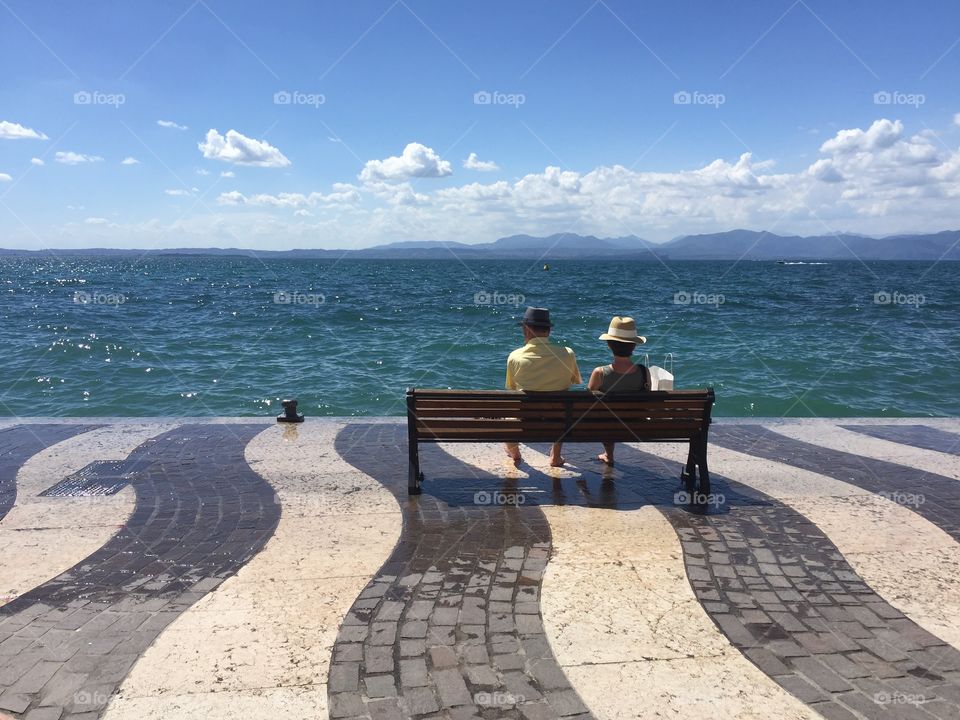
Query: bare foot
{"points": [[515, 456], [557, 462], [604, 458]]}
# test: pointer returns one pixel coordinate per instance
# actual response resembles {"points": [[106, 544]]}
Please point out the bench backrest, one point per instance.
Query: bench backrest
{"points": [[573, 416]]}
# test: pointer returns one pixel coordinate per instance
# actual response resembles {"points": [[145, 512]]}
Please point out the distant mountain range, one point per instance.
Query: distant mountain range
{"points": [[731, 245]]}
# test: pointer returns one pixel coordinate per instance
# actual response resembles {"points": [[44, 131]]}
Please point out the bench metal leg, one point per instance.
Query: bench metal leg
{"points": [[702, 464], [414, 476], [688, 475]]}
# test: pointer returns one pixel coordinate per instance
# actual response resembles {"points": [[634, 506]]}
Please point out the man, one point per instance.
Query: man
{"points": [[540, 366]]}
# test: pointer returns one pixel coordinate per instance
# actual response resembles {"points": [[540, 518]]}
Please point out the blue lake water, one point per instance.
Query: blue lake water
{"points": [[97, 336]]}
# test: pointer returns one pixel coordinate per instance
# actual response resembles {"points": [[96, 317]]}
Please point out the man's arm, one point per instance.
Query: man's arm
{"points": [[511, 382]]}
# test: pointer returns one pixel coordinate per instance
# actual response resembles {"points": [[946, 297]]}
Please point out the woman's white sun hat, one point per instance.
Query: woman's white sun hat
{"points": [[623, 329]]}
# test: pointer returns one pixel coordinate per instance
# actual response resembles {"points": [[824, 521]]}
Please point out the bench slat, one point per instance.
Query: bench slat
{"points": [[595, 413], [589, 401]]}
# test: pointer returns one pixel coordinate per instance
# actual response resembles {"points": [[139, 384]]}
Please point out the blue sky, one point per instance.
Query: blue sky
{"points": [[587, 129]]}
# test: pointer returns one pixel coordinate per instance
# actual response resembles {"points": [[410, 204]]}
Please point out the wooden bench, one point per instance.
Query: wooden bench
{"points": [[572, 416]]}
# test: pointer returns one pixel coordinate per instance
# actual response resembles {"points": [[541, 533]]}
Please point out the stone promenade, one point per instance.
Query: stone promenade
{"points": [[168, 568]]}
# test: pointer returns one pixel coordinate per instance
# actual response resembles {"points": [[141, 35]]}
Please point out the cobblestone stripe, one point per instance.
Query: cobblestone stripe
{"points": [[451, 624], [934, 497], [921, 436], [785, 596], [200, 514], [18, 444]]}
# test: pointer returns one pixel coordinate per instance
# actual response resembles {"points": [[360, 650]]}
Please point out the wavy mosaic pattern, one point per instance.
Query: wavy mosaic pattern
{"points": [[785, 596], [451, 625], [452, 620], [934, 497], [200, 514]]}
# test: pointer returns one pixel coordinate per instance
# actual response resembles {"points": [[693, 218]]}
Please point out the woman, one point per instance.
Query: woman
{"points": [[622, 375]]}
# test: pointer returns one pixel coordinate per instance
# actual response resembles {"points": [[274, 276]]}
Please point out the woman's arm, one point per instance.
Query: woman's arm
{"points": [[596, 379]]}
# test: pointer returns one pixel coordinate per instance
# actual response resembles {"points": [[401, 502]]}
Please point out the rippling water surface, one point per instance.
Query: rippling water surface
{"points": [[96, 336]]}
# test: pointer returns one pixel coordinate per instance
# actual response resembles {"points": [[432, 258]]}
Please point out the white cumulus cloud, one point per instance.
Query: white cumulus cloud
{"points": [[474, 163], [16, 131], [37, 161], [96, 221], [171, 124], [5, 178], [72, 158], [956, 119], [241, 150], [129, 160], [228, 174], [882, 134], [416, 161], [342, 193]]}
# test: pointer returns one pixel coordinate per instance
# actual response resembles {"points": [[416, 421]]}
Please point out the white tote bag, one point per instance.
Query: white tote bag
{"points": [[660, 378]]}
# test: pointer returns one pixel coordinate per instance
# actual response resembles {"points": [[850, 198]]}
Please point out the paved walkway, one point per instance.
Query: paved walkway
{"points": [[183, 569]]}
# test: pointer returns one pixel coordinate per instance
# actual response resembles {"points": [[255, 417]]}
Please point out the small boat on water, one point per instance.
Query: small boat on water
{"points": [[781, 262], [546, 267]]}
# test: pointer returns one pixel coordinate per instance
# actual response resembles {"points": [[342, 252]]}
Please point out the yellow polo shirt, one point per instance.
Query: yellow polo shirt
{"points": [[541, 366]]}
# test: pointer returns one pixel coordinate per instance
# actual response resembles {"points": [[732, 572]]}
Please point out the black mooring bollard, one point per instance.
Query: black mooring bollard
{"points": [[290, 414]]}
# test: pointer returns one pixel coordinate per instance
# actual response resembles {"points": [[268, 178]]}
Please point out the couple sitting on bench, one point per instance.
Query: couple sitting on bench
{"points": [[541, 366]]}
